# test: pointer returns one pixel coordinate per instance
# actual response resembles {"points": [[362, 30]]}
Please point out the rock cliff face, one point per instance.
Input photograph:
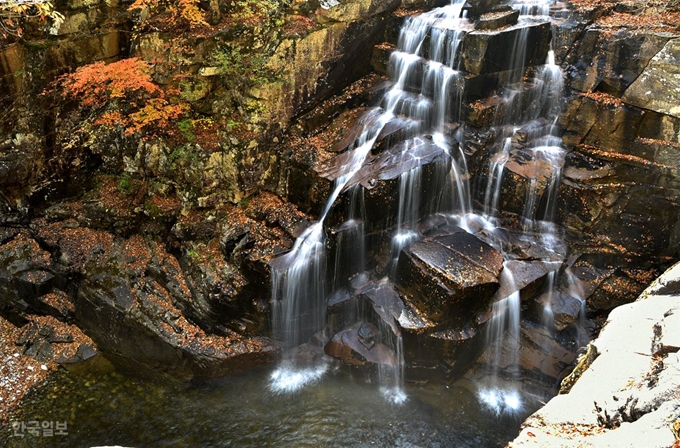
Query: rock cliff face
{"points": [[619, 193], [159, 247]]}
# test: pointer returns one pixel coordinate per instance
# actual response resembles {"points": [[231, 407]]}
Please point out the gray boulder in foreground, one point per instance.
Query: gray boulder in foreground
{"points": [[625, 391]]}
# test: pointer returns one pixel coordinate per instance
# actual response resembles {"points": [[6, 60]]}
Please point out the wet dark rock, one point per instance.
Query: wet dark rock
{"points": [[606, 281], [379, 178], [446, 277], [83, 353], [541, 357], [484, 113], [250, 237], [112, 208], [587, 122], [525, 173], [21, 164], [619, 195], [340, 302], [342, 310], [491, 51], [613, 195], [385, 303], [366, 118], [26, 276], [528, 277], [457, 348], [357, 346], [220, 294], [564, 308]]}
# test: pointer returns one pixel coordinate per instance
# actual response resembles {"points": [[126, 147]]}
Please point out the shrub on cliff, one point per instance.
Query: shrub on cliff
{"points": [[122, 95]]}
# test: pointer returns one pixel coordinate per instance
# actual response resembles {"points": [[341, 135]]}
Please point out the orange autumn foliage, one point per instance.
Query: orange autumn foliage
{"points": [[123, 94]]}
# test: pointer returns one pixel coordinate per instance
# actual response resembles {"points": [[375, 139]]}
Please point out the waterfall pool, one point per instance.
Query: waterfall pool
{"points": [[343, 409]]}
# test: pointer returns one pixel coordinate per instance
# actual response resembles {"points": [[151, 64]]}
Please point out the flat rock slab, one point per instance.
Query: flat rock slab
{"points": [[497, 19], [390, 164], [448, 276], [658, 87], [626, 395]]}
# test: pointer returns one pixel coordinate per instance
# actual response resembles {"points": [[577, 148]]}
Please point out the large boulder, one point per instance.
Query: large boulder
{"points": [[131, 303], [448, 277]]}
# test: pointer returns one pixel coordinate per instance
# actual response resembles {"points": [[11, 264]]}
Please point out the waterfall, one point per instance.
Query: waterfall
{"points": [[426, 104], [408, 212], [493, 184]]}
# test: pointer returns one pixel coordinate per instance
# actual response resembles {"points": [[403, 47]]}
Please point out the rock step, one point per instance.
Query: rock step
{"points": [[498, 18], [448, 275], [493, 51], [380, 178]]}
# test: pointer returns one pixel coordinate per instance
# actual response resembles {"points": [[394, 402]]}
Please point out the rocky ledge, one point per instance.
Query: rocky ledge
{"points": [[625, 390]]}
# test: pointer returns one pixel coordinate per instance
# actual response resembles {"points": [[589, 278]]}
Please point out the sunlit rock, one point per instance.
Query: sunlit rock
{"points": [[626, 394], [657, 86]]}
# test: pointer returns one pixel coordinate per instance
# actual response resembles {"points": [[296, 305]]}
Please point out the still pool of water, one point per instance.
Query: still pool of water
{"points": [[342, 409]]}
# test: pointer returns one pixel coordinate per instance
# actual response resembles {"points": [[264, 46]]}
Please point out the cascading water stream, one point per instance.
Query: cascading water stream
{"points": [[493, 185], [536, 128], [503, 333]]}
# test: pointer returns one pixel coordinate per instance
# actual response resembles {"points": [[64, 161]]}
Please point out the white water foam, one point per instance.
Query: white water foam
{"points": [[288, 378], [395, 395], [501, 401]]}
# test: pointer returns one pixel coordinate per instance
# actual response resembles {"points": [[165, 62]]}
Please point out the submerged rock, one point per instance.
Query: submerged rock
{"points": [[359, 345]]}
